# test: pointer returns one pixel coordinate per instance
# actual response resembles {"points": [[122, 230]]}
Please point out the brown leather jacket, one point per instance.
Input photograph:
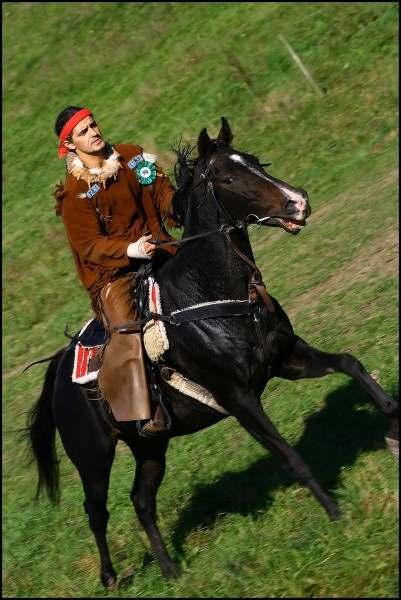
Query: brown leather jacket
{"points": [[131, 210]]}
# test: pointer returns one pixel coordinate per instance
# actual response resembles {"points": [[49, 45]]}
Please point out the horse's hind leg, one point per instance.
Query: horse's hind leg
{"points": [[93, 457], [150, 458], [249, 412], [96, 483], [307, 362]]}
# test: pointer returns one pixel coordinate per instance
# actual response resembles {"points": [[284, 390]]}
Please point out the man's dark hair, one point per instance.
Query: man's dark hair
{"points": [[65, 116]]}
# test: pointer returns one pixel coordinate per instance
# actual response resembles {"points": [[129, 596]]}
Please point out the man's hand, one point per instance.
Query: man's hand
{"points": [[149, 249], [141, 248]]}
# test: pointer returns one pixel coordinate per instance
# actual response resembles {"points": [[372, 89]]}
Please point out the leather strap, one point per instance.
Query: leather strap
{"points": [[256, 277], [261, 290], [234, 308], [184, 240]]}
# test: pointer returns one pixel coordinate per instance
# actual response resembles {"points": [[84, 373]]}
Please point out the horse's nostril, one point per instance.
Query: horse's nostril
{"points": [[290, 207]]}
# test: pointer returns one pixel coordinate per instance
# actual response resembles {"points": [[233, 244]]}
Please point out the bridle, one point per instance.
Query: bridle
{"points": [[204, 177], [225, 229]]}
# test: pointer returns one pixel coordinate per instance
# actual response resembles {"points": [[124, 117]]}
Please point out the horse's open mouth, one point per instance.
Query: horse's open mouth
{"points": [[287, 224]]}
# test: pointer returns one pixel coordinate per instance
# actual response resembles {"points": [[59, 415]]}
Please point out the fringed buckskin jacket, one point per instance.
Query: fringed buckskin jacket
{"points": [[127, 209]]}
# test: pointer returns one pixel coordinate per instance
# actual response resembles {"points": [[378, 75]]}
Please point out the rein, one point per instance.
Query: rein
{"points": [[187, 239], [256, 278]]}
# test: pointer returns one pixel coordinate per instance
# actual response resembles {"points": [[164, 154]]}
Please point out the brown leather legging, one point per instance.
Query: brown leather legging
{"points": [[122, 377]]}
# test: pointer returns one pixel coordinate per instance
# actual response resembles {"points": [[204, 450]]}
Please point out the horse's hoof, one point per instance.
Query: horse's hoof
{"points": [[170, 571], [392, 445], [109, 581], [334, 513], [126, 578]]}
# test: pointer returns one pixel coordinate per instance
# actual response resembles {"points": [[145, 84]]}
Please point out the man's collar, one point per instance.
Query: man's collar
{"points": [[110, 168]]}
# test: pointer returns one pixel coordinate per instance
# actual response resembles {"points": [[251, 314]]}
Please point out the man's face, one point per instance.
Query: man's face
{"points": [[86, 137]]}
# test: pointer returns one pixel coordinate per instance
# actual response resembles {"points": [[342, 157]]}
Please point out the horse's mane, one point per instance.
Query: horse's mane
{"points": [[183, 175]]}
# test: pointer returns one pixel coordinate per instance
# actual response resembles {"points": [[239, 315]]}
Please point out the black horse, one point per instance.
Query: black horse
{"points": [[219, 194]]}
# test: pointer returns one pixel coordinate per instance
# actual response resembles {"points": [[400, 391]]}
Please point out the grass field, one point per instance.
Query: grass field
{"points": [[152, 72]]}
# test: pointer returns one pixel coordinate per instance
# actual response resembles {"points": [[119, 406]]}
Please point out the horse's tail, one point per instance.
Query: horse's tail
{"points": [[41, 434]]}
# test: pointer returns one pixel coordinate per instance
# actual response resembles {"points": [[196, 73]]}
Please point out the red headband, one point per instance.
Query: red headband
{"points": [[68, 127]]}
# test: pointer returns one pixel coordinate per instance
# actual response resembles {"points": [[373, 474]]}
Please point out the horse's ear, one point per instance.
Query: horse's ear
{"points": [[225, 134], [203, 142]]}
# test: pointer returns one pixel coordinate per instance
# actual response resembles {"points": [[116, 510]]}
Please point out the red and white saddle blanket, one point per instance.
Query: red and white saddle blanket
{"points": [[85, 367]]}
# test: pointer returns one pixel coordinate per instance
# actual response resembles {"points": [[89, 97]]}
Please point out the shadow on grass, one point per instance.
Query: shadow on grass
{"points": [[333, 438]]}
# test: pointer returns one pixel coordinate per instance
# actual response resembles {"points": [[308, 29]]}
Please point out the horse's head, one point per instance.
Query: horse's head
{"points": [[243, 189]]}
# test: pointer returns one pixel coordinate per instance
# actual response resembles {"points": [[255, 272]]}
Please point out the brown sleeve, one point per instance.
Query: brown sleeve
{"points": [[86, 238]]}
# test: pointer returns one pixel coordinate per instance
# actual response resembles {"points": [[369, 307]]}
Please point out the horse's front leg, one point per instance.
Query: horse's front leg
{"points": [[150, 468], [249, 412], [307, 362]]}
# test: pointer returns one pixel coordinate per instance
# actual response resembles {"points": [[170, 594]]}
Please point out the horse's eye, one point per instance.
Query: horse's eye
{"points": [[228, 180]]}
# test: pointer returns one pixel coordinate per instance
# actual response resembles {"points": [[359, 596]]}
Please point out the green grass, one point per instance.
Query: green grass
{"points": [[152, 72]]}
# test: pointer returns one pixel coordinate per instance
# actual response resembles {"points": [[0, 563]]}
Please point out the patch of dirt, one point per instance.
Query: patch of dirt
{"points": [[377, 260], [279, 102]]}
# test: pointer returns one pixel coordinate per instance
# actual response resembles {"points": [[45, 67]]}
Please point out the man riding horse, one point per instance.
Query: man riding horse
{"points": [[232, 341], [114, 200]]}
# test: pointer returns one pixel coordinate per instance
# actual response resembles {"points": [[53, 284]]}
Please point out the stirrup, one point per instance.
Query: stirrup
{"points": [[150, 428], [159, 424]]}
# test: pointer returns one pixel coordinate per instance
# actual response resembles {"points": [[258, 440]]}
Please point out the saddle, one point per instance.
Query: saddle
{"points": [[90, 342]]}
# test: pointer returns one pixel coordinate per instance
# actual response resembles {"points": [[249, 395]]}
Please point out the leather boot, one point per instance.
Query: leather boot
{"points": [[122, 378]]}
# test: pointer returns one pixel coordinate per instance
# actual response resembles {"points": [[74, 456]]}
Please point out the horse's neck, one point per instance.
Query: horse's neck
{"points": [[214, 262]]}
